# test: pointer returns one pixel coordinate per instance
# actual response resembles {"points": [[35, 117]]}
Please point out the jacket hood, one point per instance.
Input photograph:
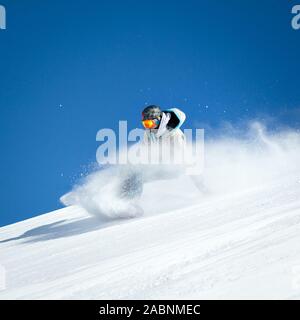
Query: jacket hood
{"points": [[177, 118]]}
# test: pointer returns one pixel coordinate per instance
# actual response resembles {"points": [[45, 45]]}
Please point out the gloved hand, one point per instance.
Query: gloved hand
{"points": [[166, 116]]}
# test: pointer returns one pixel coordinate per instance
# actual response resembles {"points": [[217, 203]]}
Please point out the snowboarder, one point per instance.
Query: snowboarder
{"points": [[162, 131]]}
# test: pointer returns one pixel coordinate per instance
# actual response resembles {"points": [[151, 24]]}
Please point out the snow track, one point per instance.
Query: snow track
{"points": [[243, 245]]}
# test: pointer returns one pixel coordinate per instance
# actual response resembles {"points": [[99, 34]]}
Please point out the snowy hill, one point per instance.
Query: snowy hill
{"points": [[243, 243]]}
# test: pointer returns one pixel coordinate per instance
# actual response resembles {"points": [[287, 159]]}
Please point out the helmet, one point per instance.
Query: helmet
{"points": [[151, 112]]}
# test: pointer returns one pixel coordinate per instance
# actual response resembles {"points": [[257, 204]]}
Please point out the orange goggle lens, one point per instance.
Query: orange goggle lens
{"points": [[150, 124]]}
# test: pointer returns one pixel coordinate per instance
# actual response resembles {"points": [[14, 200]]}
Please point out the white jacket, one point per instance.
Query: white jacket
{"points": [[170, 124], [168, 138]]}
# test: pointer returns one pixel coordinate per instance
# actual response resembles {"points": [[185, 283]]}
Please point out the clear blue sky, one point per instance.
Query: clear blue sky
{"points": [[70, 68]]}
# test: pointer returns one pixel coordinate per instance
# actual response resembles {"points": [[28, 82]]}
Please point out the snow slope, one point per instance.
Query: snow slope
{"points": [[243, 243]]}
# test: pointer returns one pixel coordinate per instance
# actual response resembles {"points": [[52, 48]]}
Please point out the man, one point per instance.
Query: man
{"points": [[164, 144]]}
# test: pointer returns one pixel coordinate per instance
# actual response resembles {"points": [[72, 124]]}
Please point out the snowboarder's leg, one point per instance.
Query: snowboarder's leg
{"points": [[131, 185], [129, 191]]}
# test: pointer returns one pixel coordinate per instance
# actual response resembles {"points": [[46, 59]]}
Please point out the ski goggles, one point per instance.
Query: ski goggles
{"points": [[150, 124]]}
